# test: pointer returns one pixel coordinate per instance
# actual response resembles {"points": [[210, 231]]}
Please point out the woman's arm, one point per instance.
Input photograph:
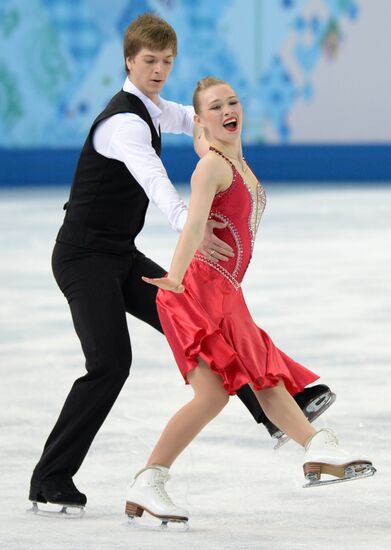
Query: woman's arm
{"points": [[205, 182]]}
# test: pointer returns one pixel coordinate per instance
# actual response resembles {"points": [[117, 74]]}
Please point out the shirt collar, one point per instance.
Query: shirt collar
{"points": [[152, 108]]}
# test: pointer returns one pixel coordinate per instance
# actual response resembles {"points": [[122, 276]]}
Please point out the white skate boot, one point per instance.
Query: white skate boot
{"points": [[323, 456], [147, 493]]}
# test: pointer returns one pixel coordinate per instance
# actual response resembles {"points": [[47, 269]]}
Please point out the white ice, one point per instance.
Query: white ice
{"points": [[319, 284]]}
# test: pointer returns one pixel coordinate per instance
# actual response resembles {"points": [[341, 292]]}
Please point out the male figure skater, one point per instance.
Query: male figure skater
{"points": [[96, 263]]}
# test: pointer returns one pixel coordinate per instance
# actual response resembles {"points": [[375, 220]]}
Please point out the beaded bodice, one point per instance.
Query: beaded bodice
{"points": [[241, 208]]}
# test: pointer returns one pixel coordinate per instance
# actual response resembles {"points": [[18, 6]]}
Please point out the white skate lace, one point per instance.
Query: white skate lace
{"points": [[332, 439], [159, 481]]}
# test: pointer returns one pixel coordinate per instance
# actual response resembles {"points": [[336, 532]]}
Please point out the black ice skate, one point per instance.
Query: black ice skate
{"points": [[60, 495], [313, 401], [323, 456]]}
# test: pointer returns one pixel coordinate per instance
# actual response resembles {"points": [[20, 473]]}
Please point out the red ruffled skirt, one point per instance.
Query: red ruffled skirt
{"points": [[210, 320]]}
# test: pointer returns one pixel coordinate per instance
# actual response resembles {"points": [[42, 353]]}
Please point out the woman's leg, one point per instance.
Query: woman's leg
{"points": [[284, 412], [209, 399]]}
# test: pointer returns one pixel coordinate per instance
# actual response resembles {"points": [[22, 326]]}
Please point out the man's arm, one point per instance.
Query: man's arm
{"points": [[127, 138], [176, 118]]}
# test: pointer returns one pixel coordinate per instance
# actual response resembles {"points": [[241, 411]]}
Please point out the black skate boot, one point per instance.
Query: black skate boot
{"points": [[60, 491], [313, 401]]}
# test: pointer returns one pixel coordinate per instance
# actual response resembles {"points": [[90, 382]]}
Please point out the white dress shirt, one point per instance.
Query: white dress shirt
{"points": [[127, 138]]}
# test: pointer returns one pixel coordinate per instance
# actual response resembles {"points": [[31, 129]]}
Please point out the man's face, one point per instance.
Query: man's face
{"points": [[149, 70]]}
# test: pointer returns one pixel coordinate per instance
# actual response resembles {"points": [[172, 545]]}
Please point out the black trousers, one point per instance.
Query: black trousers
{"points": [[101, 288]]}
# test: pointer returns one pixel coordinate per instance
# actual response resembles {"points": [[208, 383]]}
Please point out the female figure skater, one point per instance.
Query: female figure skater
{"points": [[216, 344]]}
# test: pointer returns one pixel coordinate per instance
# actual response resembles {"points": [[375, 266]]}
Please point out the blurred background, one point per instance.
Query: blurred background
{"points": [[312, 76]]}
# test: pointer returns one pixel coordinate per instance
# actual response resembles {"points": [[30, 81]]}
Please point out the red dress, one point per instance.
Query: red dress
{"points": [[210, 318]]}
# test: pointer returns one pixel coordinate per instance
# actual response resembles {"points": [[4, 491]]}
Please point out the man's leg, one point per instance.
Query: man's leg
{"points": [[247, 396], [93, 289], [140, 297]]}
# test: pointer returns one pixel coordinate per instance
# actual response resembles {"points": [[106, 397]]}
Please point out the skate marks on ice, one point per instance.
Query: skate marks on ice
{"points": [[62, 511], [322, 261], [169, 525]]}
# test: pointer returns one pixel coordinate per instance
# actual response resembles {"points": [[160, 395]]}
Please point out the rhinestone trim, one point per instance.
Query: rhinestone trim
{"points": [[235, 233], [218, 268], [257, 208], [236, 236]]}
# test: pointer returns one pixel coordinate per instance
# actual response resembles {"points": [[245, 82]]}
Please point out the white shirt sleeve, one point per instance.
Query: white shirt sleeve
{"points": [[176, 118], [127, 138]]}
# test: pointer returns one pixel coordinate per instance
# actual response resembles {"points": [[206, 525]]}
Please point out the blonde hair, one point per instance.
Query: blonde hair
{"points": [[204, 84], [148, 31]]}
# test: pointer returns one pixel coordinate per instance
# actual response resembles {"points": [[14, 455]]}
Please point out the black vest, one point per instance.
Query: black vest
{"points": [[107, 207]]}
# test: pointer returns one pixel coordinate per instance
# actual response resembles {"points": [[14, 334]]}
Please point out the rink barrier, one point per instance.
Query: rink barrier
{"points": [[286, 163]]}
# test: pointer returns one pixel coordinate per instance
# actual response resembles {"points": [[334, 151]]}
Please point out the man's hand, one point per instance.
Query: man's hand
{"points": [[165, 283], [212, 247], [201, 144]]}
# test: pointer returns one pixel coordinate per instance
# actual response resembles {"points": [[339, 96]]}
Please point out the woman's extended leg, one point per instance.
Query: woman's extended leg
{"points": [[284, 412], [209, 399], [322, 453], [147, 490]]}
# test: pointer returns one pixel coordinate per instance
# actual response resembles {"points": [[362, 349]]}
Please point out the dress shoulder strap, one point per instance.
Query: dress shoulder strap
{"points": [[211, 148]]}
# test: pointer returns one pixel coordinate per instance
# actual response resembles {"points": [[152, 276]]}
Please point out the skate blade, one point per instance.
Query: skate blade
{"points": [[352, 473], [63, 511], [281, 440], [319, 405], [150, 523], [313, 410]]}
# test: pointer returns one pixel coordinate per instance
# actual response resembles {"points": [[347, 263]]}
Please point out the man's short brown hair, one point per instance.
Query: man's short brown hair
{"points": [[148, 31]]}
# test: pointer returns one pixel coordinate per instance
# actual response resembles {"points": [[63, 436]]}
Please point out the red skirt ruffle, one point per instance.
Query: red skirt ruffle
{"points": [[210, 320]]}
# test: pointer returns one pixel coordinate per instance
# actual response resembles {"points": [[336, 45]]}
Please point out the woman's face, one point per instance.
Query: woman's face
{"points": [[220, 113]]}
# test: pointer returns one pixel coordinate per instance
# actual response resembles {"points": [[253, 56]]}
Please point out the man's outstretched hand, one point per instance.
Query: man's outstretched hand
{"points": [[166, 284]]}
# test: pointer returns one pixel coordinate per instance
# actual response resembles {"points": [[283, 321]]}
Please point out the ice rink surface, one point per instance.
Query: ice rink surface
{"points": [[319, 284]]}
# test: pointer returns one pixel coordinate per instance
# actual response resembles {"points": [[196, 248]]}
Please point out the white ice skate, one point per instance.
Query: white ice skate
{"points": [[323, 456], [147, 493]]}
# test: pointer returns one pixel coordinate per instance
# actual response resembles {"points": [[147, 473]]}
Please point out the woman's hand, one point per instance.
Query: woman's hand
{"points": [[212, 247], [166, 284]]}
